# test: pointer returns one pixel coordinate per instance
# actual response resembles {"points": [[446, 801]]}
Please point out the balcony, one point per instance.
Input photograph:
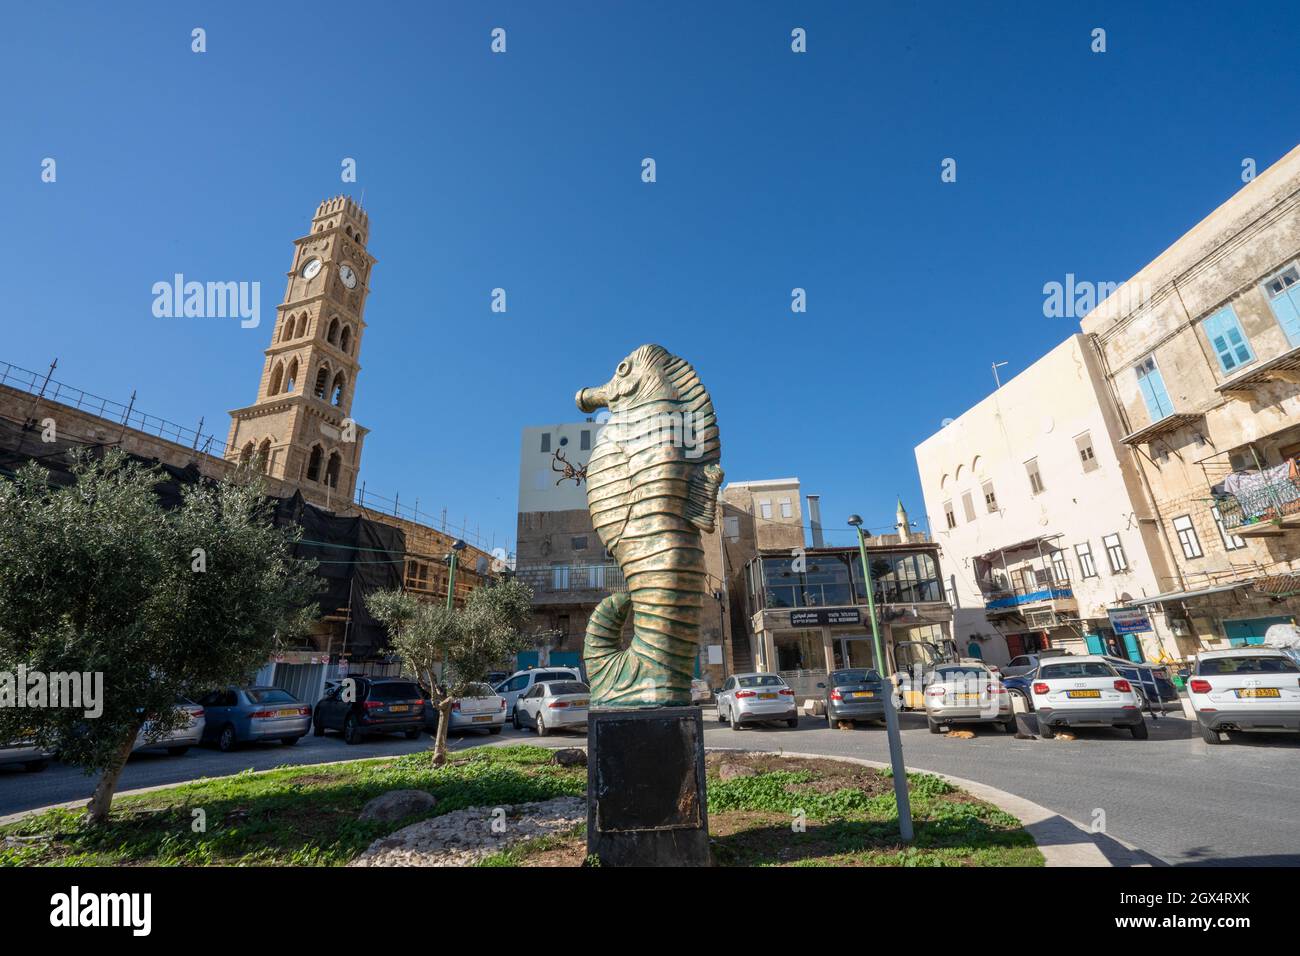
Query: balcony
{"points": [[1283, 368], [1263, 509], [572, 583]]}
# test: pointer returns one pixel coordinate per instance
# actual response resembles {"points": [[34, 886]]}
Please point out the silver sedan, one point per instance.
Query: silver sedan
{"points": [[754, 698], [967, 694]]}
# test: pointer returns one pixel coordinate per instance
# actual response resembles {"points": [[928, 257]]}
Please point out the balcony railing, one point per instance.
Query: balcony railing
{"points": [[571, 578], [1264, 502], [1016, 597]]}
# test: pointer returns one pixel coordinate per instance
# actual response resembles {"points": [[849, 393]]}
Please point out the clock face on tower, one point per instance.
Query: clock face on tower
{"points": [[310, 270], [348, 276]]}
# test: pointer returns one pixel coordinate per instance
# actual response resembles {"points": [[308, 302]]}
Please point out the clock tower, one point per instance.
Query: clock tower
{"points": [[299, 428]]}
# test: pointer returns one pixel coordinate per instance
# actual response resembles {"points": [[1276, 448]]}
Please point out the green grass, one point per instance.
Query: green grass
{"points": [[302, 816]]}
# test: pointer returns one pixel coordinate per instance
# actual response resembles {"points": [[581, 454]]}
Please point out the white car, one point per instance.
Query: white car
{"points": [[552, 705], [520, 682], [1084, 691], [1245, 688], [754, 698], [33, 759], [481, 708], [967, 693], [179, 739]]}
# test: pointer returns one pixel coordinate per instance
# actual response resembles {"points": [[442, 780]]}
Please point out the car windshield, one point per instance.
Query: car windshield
{"points": [[761, 680], [394, 690], [1248, 665], [855, 677], [270, 695], [479, 690], [1075, 669], [961, 673], [556, 688]]}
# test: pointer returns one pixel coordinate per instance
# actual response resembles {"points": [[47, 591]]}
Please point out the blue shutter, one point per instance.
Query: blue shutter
{"points": [[1284, 298], [1152, 384], [1224, 334]]}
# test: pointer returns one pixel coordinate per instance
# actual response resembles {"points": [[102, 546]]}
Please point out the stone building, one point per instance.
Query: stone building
{"points": [[1200, 353]]}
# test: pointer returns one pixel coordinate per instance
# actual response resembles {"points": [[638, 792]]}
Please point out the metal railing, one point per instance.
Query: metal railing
{"points": [[1264, 502], [1014, 597], [570, 578]]}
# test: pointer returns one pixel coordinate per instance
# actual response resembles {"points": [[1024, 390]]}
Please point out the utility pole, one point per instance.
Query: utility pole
{"points": [[996, 379]]}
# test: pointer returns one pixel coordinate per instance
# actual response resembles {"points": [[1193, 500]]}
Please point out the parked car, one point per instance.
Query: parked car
{"points": [[755, 698], [377, 705], [481, 708], [1153, 682], [854, 693], [32, 758], [1254, 689], [520, 682], [967, 693], [1084, 691], [701, 693], [1028, 662], [180, 738], [235, 715], [552, 705]]}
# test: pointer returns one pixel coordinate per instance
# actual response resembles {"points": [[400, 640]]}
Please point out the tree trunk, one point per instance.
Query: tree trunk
{"points": [[440, 741], [101, 801]]}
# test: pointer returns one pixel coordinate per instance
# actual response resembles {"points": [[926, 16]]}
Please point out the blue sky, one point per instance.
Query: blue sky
{"points": [[775, 170]]}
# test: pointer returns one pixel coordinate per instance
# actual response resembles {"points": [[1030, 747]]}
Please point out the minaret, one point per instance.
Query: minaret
{"points": [[299, 428], [902, 524]]}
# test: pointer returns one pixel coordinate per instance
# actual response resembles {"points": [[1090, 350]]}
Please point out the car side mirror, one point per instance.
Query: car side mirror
{"points": [[821, 686]]}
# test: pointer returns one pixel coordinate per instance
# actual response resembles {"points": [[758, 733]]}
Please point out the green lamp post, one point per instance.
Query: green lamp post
{"points": [[457, 547]]}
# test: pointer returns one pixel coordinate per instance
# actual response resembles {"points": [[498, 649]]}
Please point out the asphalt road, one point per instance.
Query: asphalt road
{"points": [[1173, 796]]}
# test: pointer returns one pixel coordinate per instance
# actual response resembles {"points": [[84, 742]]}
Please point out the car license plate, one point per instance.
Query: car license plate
{"points": [[398, 709], [968, 696], [767, 696], [283, 713], [1259, 692], [1085, 694], [483, 720], [579, 703], [863, 693]]}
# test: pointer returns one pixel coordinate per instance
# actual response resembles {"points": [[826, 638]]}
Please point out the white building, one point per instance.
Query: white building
{"points": [[1042, 517]]}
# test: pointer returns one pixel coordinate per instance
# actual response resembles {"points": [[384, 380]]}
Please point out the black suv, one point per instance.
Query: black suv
{"points": [[375, 705]]}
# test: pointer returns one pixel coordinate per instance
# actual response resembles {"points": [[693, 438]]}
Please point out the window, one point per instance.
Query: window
{"points": [[1035, 479], [786, 510], [968, 506], [313, 464], [948, 514], [1060, 569], [765, 509], [1187, 537], [1087, 568], [332, 469], [584, 440], [546, 442], [340, 383], [990, 498], [1283, 292], [579, 543], [1152, 385], [559, 578], [1224, 334], [731, 527], [1087, 456], [322, 380], [1115, 553], [1231, 542]]}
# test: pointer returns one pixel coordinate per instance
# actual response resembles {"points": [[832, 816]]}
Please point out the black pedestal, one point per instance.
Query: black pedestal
{"points": [[646, 802]]}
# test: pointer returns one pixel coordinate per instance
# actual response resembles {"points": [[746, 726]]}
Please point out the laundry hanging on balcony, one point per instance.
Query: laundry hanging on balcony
{"points": [[1246, 497]]}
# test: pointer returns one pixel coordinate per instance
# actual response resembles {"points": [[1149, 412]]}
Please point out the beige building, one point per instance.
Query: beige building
{"points": [[1201, 356], [1038, 508]]}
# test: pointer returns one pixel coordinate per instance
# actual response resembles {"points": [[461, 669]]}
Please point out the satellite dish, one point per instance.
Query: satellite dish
{"points": [[946, 422]]}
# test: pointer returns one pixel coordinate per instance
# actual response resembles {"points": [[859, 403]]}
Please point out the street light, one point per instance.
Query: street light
{"points": [[457, 547], [891, 716]]}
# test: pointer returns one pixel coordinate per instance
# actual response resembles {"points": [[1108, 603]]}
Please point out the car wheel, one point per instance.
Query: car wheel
{"points": [[934, 726], [731, 718], [1009, 725], [1210, 736], [792, 722], [290, 741], [541, 726], [35, 766], [351, 732], [830, 721], [316, 729], [514, 719], [412, 734], [227, 739], [1140, 730], [494, 730], [1045, 730], [722, 715], [178, 751]]}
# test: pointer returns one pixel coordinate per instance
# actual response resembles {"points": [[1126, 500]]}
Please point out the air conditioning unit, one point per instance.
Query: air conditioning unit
{"points": [[1179, 626]]}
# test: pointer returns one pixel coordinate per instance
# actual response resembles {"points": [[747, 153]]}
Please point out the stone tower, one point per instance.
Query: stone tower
{"points": [[299, 427], [902, 524]]}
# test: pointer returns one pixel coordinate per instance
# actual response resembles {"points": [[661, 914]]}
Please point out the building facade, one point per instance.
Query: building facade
{"points": [[1041, 516], [1201, 356]]}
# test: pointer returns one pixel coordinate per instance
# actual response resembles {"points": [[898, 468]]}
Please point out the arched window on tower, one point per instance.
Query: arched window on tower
{"points": [[291, 378], [322, 382], [264, 455], [313, 464], [246, 454], [336, 393], [286, 328], [333, 337], [277, 377], [302, 325], [332, 469], [345, 340]]}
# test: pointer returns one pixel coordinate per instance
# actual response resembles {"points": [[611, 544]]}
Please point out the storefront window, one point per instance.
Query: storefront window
{"points": [[824, 582], [799, 650], [902, 578]]}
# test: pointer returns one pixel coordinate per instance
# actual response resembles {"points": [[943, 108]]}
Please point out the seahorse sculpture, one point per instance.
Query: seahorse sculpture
{"points": [[652, 487]]}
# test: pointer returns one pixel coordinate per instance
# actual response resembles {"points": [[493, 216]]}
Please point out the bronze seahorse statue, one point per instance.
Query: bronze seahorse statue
{"points": [[652, 488]]}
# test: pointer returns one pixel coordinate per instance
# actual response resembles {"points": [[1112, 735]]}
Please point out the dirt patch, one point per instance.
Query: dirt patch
{"points": [[827, 775]]}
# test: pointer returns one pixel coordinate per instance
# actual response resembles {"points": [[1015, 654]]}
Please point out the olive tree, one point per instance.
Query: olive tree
{"points": [[449, 649], [100, 579]]}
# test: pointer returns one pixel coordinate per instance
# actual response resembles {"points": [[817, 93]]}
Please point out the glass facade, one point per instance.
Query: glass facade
{"points": [[835, 580]]}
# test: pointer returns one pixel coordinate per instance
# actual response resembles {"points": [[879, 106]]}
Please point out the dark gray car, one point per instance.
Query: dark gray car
{"points": [[855, 693]]}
